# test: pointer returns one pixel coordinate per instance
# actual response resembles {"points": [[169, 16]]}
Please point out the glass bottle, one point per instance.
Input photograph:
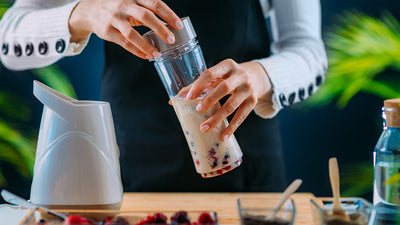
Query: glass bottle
{"points": [[387, 156], [179, 65], [387, 167]]}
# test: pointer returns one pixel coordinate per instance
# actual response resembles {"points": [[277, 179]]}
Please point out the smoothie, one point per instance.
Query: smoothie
{"points": [[211, 155]]}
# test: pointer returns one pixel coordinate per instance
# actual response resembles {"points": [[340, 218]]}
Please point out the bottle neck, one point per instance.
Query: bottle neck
{"points": [[391, 113], [177, 51]]}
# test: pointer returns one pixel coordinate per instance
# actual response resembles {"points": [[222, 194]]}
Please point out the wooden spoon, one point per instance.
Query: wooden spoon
{"points": [[335, 184], [285, 195]]}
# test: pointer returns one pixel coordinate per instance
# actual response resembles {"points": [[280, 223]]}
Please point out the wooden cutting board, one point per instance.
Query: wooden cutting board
{"points": [[225, 204]]}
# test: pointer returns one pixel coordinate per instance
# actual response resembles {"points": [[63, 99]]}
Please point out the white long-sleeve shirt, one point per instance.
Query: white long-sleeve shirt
{"points": [[34, 33]]}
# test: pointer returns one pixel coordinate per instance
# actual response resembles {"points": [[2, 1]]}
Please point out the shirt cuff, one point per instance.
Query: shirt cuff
{"points": [[267, 109], [76, 48]]}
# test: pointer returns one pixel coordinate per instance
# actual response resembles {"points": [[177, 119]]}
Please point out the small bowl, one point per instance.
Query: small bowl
{"points": [[251, 212], [358, 210]]}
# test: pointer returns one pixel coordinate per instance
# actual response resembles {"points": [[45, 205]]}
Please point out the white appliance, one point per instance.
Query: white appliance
{"points": [[77, 157]]}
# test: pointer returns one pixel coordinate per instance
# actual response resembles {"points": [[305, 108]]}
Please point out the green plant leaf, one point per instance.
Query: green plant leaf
{"points": [[4, 5], [23, 145], [359, 48], [10, 155], [381, 89], [13, 107], [357, 179], [3, 180]]}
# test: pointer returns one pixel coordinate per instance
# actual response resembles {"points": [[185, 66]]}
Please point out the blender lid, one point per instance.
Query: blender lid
{"points": [[183, 35]]}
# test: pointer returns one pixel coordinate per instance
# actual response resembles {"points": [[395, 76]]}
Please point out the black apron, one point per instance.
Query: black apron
{"points": [[154, 153]]}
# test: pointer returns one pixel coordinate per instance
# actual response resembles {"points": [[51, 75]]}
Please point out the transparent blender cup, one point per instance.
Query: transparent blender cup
{"points": [[179, 65]]}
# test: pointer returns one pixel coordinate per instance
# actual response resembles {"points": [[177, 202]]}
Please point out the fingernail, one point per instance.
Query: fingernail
{"points": [[179, 24], [149, 56], [204, 128], [225, 137], [189, 95], [170, 39], [156, 54], [199, 107]]}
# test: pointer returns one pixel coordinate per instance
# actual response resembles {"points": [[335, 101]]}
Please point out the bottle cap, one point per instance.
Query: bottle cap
{"points": [[392, 112], [183, 35]]}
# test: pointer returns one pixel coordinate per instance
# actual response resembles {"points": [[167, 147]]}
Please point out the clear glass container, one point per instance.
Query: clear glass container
{"points": [[389, 215], [387, 158], [387, 161], [257, 211], [357, 209], [179, 65]]}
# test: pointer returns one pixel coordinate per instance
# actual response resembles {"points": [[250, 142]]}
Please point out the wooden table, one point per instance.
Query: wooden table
{"points": [[225, 204]]}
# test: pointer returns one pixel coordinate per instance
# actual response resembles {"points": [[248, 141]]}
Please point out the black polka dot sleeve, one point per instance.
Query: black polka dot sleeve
{"points": [[34, 34]]}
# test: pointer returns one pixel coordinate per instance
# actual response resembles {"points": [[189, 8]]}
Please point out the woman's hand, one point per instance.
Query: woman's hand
{"points": [[113, 20], [246, 83]]}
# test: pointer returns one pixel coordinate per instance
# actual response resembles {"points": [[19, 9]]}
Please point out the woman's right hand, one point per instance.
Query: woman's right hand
{"points": [[113, 20]]}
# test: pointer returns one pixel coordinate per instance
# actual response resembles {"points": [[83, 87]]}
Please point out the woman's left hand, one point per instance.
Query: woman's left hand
{"points": [[246, 83]]}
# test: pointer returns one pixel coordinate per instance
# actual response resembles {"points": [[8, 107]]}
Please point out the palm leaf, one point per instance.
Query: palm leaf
{"points": [[383, 89], [359, 49], [23, 145], [357, 179], [11, 110], [10, 155], [4, 5]]}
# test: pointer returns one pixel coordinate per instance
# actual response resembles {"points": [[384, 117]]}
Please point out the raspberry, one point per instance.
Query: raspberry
{"points": [[159, 218], [147, 220], [121, 221], [76, 220], [180, 217], [205, 218]]}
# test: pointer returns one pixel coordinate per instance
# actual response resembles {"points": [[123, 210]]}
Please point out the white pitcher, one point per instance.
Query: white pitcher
{"points": [[77, 157]]}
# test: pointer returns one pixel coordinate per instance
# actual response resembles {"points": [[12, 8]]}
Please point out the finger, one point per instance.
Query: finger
{"points": [[183, 92], [163, 11], [148, 19], [224, 88], [222, 113], [211, 78], [116, 37], [241, 114], [134, 37]]}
